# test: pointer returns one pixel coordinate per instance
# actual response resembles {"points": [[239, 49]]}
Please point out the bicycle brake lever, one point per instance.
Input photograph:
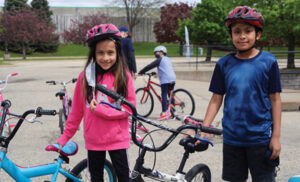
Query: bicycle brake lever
{"points": [[204, 140], [34, 120]]}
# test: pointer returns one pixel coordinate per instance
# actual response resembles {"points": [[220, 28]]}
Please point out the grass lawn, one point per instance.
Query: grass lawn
{"points": [[141, 49]]}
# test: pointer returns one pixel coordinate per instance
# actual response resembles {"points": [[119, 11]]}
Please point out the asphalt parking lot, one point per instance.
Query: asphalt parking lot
{"points": [[28, 91]]}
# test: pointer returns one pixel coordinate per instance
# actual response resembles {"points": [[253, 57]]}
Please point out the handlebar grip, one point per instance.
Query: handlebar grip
{"points": [[40, 111], [5, 103], [14, 74], [74, 80], [215, 131], [108, 92], [51, 81]]}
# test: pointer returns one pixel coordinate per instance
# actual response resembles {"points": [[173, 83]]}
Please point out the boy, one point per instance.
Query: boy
{"points": [[250, 81], [166, 75], [128, 51]]}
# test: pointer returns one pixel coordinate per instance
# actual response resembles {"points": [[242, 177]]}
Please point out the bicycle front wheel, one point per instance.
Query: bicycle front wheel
{"points": [[182, 102], [81, 171], [144, 102], [198, 173]]}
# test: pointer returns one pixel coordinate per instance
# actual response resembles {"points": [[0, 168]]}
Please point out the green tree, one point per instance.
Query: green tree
{"points": [[43, 7], [207, 25], [282, 22], [15, 5]]}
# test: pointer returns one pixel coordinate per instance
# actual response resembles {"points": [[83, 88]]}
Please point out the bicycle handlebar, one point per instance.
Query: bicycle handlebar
{"points": [[53, 82], [6, 79], [4, 140], [122, 100]]}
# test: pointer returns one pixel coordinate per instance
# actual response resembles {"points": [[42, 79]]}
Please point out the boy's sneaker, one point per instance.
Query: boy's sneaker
{"points": [[164, 117]]}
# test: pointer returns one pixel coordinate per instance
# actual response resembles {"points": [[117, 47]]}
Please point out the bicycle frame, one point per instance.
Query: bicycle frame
{"points": [[65, 103], [24, 174], [138, 168], [150, 87], [1, 96]]}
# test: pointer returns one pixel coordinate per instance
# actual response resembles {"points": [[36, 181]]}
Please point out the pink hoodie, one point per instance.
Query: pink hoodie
{"points": [[105, 128]]}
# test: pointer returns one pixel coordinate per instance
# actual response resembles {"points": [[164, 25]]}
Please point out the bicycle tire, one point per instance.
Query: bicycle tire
{"points": [[144, 109], [198, 173], [62, 120], [81, 172], [184, 102]]}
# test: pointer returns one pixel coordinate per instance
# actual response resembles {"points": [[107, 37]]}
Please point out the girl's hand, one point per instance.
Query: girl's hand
{"points": [[93, 104], [275, 146], [60, 146]]}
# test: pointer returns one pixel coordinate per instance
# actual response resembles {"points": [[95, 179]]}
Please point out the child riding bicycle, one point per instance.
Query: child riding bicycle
{"points": [[166, 76]]}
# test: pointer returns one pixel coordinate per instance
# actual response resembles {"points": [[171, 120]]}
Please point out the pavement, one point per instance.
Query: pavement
{"points": [[28, 91]]}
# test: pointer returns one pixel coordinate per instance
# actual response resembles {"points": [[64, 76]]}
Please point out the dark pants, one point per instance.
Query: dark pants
{"points": [[119, 160], [238, 160], [165, 92]]}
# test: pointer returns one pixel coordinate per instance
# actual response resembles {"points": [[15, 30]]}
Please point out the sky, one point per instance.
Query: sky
{"points": [[95, 3]]}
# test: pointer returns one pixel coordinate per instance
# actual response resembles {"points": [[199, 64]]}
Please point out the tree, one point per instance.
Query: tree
{"points": [[138, 8], [207, 25], [25, 27], [15, 5], [43, 7], [167, 26], [79, 27], [282, 22]]}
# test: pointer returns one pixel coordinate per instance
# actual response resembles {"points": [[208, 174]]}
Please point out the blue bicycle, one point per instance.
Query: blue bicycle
{"points": [[24, 174], [295, 178]]}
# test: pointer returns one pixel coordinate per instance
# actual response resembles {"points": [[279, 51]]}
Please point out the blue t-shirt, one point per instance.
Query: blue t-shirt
{"points": [[246, 83]]}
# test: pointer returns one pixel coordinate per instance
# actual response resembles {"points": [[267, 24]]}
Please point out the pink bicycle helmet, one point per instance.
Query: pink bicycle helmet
{"points": [[245, 14], [102, 31]]}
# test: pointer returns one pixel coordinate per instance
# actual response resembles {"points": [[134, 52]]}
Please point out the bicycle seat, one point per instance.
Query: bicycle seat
{"points": [[69, 149], [60, 93]]}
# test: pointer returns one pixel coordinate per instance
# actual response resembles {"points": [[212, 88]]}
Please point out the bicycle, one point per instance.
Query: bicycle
{"points": [[295, 178], [24, 174], [66, 101], [181, 100], [199, 171], [7, 126]]}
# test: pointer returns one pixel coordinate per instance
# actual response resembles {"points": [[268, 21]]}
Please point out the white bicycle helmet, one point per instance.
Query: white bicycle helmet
{"points": [[160, 49]]}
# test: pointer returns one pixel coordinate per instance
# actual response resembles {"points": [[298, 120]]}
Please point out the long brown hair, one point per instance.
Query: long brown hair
{"points": [[118, 69]]}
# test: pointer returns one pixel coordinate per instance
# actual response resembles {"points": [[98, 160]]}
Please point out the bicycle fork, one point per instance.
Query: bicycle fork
{"points": [[154, 174]]}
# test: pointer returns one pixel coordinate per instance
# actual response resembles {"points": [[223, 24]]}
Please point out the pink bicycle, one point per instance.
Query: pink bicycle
{"points": [[7, 126]]}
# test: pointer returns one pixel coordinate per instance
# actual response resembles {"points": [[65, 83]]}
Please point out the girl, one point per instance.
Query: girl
{"points": [[105, 129]]}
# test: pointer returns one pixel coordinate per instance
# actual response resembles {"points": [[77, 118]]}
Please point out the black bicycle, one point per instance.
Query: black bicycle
{"points": [[199, 172]]}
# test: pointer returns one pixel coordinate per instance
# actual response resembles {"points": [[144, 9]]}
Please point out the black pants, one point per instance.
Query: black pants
{"points": [[119, 160]]}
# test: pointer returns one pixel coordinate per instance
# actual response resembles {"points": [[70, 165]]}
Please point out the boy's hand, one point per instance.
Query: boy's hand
{"points": [[275, 146], [93, 104], [192, 132]]}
